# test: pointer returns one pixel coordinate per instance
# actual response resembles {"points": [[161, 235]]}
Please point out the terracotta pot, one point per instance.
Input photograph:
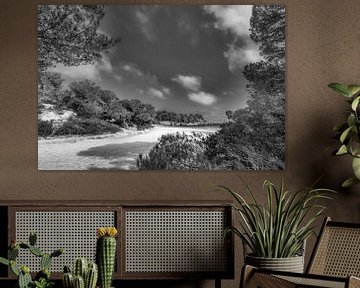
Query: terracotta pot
{"points": [[291, 264]]}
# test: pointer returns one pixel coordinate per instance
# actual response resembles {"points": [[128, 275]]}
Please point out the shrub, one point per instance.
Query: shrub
{"points": [[86, 127], [45, 128], [175, 152]]}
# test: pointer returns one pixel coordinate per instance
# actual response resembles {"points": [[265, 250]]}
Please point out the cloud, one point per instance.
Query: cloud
{"points": [[232, 18], [132, 69], [202, 98], [143, 18], [189, 82], [88, 71], [238, 57], [235, 19], [134, 78], [186, 27], [156, 93], [166, 90]]}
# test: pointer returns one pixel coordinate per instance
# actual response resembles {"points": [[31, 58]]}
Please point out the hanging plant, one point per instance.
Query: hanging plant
{"points": [[348, 132]]}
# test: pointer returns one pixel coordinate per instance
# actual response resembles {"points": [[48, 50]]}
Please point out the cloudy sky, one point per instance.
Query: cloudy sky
{"points": [[181, 58]]}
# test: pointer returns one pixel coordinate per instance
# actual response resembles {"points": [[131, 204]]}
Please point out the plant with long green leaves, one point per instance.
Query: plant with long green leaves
{"points": [[349, 132], [279, 229]]}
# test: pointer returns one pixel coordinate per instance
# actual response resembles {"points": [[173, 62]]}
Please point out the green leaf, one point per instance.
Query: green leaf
{"points": [[353, 89], [355, 103], [32, 238], [349, 182], [345, 134], [356, 167], [340, 127], [4, 261], [351, 120], [340, 88], [14, 268], [342, 150]]}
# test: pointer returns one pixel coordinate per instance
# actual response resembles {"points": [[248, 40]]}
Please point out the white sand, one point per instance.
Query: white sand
{"points": [[61, 153]]}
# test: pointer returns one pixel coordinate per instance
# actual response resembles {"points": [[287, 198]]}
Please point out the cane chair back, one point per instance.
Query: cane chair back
{"points": [[337, 252], [335, 262]]}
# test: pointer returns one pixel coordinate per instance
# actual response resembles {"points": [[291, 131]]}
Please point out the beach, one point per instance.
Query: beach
{"points": [[117, 151]]}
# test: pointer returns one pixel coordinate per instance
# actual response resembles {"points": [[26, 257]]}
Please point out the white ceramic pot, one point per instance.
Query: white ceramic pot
{"points": [[291, 264]]}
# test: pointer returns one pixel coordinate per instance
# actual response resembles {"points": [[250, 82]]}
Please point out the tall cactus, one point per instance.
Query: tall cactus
{"points": [[106, 254]]}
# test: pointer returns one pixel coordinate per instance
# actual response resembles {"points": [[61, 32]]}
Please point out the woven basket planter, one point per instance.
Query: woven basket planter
{"points": [[291, 264]]}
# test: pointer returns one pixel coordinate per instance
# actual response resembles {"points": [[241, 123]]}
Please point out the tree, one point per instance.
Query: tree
{"points": [[68, 34], [255, 136], [176, 152], [142, 115], [52, 91]]}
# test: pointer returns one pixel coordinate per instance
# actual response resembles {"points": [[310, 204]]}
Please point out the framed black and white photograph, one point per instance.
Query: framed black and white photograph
{"points": [[161, 87]]}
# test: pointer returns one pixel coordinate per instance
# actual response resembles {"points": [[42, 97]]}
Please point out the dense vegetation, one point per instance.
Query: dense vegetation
{"points": [[254, 137], [68, 34], [97, 110], [179, 118], [176, 152]]}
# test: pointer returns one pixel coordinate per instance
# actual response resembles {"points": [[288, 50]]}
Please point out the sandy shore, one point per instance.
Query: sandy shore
{"points": [[110, 151]]}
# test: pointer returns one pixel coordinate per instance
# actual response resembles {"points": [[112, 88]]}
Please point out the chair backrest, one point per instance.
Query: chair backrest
{"points": [[337, 251]]}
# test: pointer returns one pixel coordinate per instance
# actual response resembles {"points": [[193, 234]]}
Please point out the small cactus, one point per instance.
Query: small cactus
{"points": [[24, 280], [32, 239], [83, 274], [13, 253], [81, 265], [36, 251], [45, 261], [79, 282], [91, 276], [23, 273], [68, 280], [106, 254]]}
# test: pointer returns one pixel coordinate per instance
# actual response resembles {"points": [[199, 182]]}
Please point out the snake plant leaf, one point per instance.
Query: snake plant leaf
{"points": [[342, 150], [356, 167], [349, 182], [353, 89], [345, 134], [340, 88], [355, 103]]}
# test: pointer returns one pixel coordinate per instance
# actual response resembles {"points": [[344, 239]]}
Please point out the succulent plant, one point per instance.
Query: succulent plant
{"points": [[42, 278], [85, 275], [106, 254]]}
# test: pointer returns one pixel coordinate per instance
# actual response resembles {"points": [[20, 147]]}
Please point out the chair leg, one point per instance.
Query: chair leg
{"points": [[354, 282], [246, 274], [251, 279]]}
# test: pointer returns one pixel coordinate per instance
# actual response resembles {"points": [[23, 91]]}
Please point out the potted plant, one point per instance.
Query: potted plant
{"points": [[276, 233], [348, 132]]}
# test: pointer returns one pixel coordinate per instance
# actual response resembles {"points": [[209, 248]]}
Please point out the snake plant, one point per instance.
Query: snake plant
{"points": [[279, 228]]}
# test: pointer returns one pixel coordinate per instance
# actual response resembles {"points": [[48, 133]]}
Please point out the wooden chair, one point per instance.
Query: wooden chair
{"points": [[335, 262]]}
